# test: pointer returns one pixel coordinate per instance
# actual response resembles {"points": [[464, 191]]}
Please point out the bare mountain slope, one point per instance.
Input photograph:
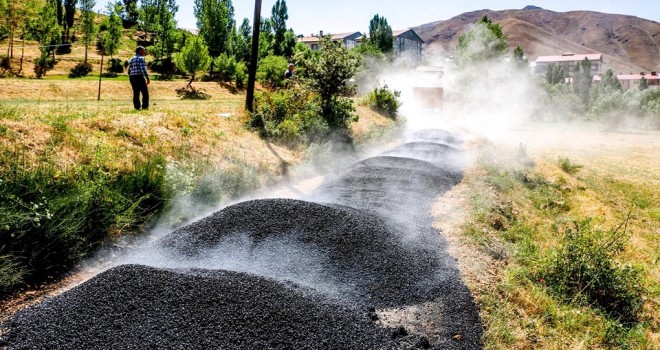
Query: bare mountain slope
{"points": [[628, 43]]}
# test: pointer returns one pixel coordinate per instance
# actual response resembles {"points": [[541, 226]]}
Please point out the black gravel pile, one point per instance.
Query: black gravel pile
{"points": [[139, 307], [370, 262], [323, 271]]}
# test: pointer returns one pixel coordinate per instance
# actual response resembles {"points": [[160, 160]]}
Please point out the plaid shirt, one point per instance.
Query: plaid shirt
{"points": [[137, 66]]}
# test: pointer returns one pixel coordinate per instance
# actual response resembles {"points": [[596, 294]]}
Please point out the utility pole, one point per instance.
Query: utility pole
{"points": [[252, 72]]}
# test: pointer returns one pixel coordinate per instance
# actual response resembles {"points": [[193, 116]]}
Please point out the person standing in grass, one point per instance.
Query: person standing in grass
{"points": [[137, 74]]}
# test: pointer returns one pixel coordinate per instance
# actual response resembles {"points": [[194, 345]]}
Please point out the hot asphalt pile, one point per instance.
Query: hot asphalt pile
{"points": [[371, 246], [139, 307]]}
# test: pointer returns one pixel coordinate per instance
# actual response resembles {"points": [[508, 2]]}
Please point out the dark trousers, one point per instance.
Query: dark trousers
{"points": [[139, 85]]}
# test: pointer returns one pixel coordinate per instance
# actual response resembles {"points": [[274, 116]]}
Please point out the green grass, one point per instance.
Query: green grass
{"points": [[566, 281]]}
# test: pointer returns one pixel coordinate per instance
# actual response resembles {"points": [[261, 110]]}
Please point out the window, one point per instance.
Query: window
{"points": [[315, 46]]}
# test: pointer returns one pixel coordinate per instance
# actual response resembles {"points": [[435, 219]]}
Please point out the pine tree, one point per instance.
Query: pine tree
{"points": [[69, 17], [193, 58], [582, 80]]}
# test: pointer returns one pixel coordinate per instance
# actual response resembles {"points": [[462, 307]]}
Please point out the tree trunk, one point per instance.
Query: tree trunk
{"points": [[100, 75], [20, 69]]}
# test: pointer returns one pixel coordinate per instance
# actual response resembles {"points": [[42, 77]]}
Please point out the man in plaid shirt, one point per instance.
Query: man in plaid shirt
{"points": [[137, 73]]}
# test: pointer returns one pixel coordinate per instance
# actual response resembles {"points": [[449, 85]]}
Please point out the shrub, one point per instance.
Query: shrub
{"points": [[240, 76], [115, 65], [43, 63], [5, 63], [583, 269], [292, 115], [270, 72], [80, 70], [567, 166], [384, 100], [165, 67], [224, 67]]}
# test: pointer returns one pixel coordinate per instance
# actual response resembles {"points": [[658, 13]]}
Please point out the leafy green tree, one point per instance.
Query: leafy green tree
{"points": [[193, 58], [484, 42], [131, 11], [46, 31], [109, 43], [69, 17], [88, 26], [555, 74], [582, 80], [157, 16], [643, 84], [380, 33], [328, 75], [59, 11], [215, 20], [519, 58], [241, 41], [609, 80], [279, 16]]}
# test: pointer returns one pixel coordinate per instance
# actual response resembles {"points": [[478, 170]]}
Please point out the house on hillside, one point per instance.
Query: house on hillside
{"points": [[569, 61], [349, 39], [408, 44], [631, 81]]}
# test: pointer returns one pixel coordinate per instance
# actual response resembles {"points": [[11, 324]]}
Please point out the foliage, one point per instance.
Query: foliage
{"points": [[582, 80], [227, 69], [556, 74], [484, 42], [567, 166], [131, 11], [328, 75], [242, 41], [643, 84], [240, 75], [109, 43], [69, 17], [115, 65], [270, 71], [43, 64], [165, 67], [290, 116], [215, 20], [49, 219], [279, 15], [609, 80], [583, 270], [380, 33], [384, 100], [81, 69], [193, 58], [88, 27], [519, 58], [158, 16]]}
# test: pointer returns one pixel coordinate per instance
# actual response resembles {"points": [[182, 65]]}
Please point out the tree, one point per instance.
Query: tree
{"points": [[555, 74], [609, 80], [582, 80], [380, 33], [215, 20], [484, 42], [328, 75], [157, 16], [110, 37], [240, 41], [519, 58], [131, 12], [88, 27], [69, 17], [279, 16], [643, 84], [193, 58], [46, 31]]}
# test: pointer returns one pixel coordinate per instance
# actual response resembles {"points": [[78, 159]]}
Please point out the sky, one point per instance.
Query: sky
{"points": [[338, 16]]}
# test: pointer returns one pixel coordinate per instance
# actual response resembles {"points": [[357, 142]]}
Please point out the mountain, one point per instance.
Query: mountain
{"points": [[628, 43]]}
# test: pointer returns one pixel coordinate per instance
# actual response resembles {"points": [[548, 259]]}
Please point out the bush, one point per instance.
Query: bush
{"points": [[224, 67], [583, 269], [385, 101], [43, 64], [115, 65], [165, 67], [270, 72], [567, 166], [292, 115], [80, 70], [240, 76], [5, 63]]}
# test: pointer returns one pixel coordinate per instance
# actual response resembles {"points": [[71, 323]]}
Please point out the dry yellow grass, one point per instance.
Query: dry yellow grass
{"points": [[618, 168]]}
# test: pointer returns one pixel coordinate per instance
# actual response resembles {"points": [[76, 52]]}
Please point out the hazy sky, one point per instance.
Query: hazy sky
{"points": [[310, 16]]}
